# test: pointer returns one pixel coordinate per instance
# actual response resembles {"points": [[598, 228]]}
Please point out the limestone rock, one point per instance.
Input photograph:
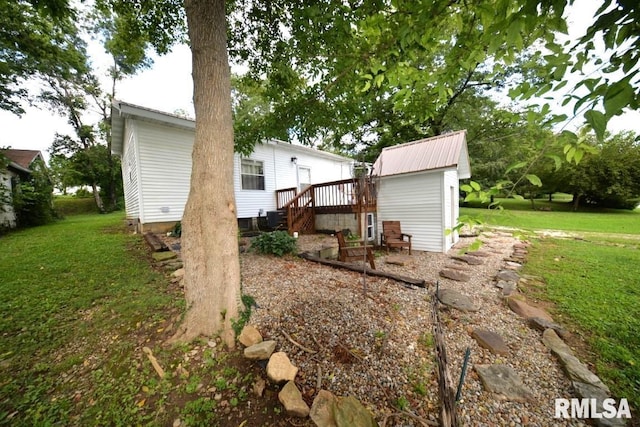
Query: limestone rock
{"points": [[509, 289], [179, 273], [322, 409], [455, 299], [280, 368], [249, 336], [575, 369], [490, 340], [508, 276], [260, 351], [542, 325], [163, 256], [350, 412], [291, 399], [471, 260], [523, 309], [455, 275], [504, 380], [589, 391]]}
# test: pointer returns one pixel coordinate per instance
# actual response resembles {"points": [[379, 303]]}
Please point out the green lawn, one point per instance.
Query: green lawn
{"points": [[593, 279], [69, 291]]}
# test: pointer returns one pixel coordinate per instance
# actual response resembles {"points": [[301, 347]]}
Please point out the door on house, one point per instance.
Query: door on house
{"points": [[304, 177]]}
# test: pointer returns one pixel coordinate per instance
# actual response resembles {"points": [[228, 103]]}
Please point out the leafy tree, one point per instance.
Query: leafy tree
{"points": [[37, 39], [33, 197]]}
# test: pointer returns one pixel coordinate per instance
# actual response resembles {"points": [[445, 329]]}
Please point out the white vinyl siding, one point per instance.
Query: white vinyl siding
{"points": [[165, 171], [416, 201], [130, 176], [451, 209]]}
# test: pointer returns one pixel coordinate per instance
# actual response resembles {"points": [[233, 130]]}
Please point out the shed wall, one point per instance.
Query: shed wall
{"points": [[130, 176], [416, 201]]}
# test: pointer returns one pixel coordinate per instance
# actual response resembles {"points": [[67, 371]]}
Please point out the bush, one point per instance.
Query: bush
{"points": [[275, 243]]}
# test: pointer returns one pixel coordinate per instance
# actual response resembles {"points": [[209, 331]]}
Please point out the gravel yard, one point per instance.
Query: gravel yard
{"points": [[373, 338]]}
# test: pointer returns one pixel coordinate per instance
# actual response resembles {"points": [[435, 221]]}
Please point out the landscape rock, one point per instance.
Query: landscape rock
{"points": [[249, 336], [479, 254], [163, 256], [291, 399], [589, 391], [525, 310], [179, 273], [508, 276], [490, 340], [456, 300], [280, 368], [349, 412], [574, 369], [260, 351], [509, 289], [471, 260], [461, 267], [542, 325], [259, 386], [503, 380], [456, 275], [322, 409]]}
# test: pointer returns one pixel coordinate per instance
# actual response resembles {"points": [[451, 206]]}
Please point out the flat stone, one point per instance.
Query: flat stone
{"points": [[179, 273], [508, 276], [456, 275], [503, 380], [589, 391], [471, 260], [280, 368], [349, 412], [533, 281], [400, 260], [509, 289], [574, 369], [323, 408], [260, 351], [481, 254], [461, 267], [523, 309], [513, 265], [542, 325], [456, 300], [163, 256], [250, 336], [490, 340], [291, 399]]}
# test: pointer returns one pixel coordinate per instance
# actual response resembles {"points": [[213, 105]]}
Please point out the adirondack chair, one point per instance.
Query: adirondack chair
{"points": [[393, 237], [350, 251]]}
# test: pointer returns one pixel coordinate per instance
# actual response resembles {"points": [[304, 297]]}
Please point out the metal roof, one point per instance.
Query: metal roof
{"points": [[438, 152]]}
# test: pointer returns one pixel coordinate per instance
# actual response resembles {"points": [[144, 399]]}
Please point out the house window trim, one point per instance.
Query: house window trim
{"points": [[370, 224], [253, 162]]}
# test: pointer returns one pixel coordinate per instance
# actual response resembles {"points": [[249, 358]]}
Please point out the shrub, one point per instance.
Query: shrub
{"points": [[276, 243]]}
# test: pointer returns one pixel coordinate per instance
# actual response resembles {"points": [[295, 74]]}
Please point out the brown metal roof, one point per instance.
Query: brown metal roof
{"points": [[22, 158], [438, 152]]}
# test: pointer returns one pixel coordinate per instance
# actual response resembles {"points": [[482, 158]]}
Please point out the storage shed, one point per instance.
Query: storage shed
{"points": [[418, 185]]}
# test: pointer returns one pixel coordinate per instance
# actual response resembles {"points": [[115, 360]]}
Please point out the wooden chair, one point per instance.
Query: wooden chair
{"points": [[354, 250], [393, 237]]}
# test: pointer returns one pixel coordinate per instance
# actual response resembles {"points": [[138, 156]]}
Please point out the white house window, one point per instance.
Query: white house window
{"points": [[252, 172]]}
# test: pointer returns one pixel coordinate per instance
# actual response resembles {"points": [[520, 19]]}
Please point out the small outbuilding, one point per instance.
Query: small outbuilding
{"points": [[418, 184], [15, 165]]}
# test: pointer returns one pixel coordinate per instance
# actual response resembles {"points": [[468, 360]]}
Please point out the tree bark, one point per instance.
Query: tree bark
{"points": [[210, 229]]}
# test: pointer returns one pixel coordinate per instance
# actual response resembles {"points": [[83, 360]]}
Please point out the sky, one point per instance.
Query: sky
{"points": [[167, 86]]}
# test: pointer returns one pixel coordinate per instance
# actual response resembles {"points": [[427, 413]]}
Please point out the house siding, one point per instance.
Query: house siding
{"points": [[416, 201], [7, 214], [130, 172], [165, 171]]}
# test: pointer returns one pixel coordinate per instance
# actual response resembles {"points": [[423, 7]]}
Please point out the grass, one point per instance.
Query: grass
{"points": [[593, 280], [71, 205]]}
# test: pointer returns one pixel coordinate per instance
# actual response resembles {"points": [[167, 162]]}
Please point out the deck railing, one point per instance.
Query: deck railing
{"points": [[344, 196]]}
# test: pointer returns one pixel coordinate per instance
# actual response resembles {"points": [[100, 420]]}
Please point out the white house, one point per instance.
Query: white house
{"points": [[418, 185], [14, 165], [155, 149]]}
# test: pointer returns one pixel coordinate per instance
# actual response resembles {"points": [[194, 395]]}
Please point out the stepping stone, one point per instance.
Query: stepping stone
{"points": [[481, 254], [513, 265], [471, 260], [328, 410], [491, 341], [574, 369], [508, 276], [504, 380], [456, 300], [542, 325], [523, 309], [460, 267], [260, 351], [509, 289], [400, 260], [456, 275], [588, 391], [291, 399], [163, 256]]}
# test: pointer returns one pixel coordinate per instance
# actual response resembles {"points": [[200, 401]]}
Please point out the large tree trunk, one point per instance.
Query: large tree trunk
{"points": [[210, 229]]}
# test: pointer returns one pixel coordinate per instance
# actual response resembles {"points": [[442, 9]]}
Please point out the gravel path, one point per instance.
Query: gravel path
{"points": [[377, 345]]}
